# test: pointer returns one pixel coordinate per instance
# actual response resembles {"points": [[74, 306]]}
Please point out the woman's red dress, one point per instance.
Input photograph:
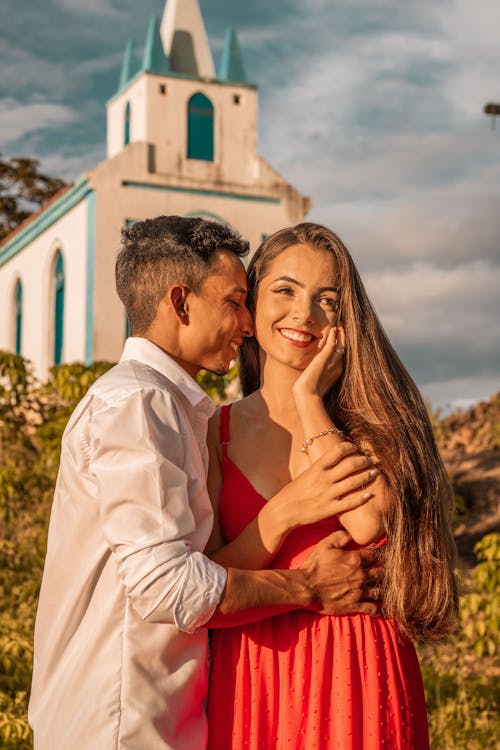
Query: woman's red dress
{"points": [[303, 681]]}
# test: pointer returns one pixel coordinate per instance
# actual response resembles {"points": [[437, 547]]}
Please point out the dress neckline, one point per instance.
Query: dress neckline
{"points": [[224, 431]]}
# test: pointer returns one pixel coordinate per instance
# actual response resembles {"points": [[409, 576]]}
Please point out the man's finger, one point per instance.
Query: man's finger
{"points": [[338, 539], [371, 556]]}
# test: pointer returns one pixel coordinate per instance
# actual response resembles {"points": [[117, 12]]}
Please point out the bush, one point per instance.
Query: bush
{"points": [[462, 677], [32, 420]]}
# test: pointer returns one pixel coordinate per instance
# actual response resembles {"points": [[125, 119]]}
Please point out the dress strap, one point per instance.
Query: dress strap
{"points": [[224, 427]]}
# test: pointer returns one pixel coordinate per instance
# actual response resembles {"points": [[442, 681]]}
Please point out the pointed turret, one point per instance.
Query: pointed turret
{"points": [[129, 65], [154, 59], [185, 39], [231, 63]]}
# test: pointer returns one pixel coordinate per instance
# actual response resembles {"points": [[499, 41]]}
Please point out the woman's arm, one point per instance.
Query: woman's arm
{"points": [[364, 523], [325, 489]]}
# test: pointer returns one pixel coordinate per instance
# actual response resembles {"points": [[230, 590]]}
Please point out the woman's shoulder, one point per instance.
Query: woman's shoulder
{"points": [[223, 412]]}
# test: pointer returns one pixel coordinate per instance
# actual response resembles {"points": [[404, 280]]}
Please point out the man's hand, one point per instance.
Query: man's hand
{"points": [[344, 581]]}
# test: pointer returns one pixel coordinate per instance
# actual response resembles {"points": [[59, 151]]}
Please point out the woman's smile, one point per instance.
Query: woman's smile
{"points": [[297, 338]]}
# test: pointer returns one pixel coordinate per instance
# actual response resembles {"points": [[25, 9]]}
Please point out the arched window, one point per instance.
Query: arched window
{"points": [[126, 127], [18, 316], [200, 128], [58, 308]]}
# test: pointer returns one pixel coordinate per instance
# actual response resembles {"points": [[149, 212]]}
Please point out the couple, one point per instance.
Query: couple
{"points": [[127, 593]]}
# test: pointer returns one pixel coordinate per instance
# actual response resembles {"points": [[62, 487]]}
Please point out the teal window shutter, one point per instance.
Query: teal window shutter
{"points": [[18, 314], [58, 308], [126, 133], [200, 128]]}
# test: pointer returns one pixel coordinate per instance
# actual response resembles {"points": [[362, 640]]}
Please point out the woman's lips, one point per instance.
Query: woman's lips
{"points": [[297, 338]]}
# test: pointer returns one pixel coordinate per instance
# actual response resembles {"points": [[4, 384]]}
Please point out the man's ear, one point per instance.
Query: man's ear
{"points": [[179, 300]]}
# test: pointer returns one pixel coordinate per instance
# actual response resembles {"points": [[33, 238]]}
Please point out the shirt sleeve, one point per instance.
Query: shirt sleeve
{"points": [[136, 457]]}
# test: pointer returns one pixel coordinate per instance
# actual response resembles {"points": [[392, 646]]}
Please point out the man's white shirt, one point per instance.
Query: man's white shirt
{"points": [[120, 661]]}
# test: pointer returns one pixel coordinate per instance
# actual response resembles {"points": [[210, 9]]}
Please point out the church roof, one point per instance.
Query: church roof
{"points": [[179, 46], [36, 223], [23, 224], [154, 59], [185, 39], [231, 64], [130, 65]]}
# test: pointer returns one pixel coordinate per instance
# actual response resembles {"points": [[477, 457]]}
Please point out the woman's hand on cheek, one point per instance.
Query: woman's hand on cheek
{"points": [[325, 368]]}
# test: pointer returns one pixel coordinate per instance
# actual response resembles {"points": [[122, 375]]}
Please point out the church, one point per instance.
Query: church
{"points": [[181, 139]]}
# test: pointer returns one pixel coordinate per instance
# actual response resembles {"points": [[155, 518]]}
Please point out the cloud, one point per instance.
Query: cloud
{"points": [[72, 165], [460, 393], [27, 74], [104, 9], [471, 31], [373, 108], [17, 120], [443, 322]]}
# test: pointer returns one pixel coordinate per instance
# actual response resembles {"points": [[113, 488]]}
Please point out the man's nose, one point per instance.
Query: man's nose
{"points": [[246, 322]]}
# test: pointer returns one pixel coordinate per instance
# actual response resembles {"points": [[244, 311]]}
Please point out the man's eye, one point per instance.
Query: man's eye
{"points": [[235, 304]]}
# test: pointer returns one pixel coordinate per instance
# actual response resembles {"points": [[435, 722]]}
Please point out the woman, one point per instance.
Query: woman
{"points": [[319, 370]]}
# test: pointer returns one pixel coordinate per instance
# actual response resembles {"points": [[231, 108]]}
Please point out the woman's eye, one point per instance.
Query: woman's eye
{"points": [[283, 290], [330, 303]]}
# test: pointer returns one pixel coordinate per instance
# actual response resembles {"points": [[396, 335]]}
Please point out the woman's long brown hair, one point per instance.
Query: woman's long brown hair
{"points": [[377, 403]]}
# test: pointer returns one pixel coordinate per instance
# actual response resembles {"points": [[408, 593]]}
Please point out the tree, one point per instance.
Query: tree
{"points": [[23, 189]]}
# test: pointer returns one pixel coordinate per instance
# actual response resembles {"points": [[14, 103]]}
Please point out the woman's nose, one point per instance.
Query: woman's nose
{"points": [[302, 310]]}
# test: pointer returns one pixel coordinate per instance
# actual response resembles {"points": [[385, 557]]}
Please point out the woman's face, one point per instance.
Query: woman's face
{"points": [[297, 304]]}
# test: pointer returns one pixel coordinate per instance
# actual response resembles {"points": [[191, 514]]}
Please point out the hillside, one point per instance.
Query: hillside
{"points": [[470, 445]]}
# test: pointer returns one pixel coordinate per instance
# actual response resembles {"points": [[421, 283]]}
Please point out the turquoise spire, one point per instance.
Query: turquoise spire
{"points": [[154, 59], [231, 64], [129, 65]]}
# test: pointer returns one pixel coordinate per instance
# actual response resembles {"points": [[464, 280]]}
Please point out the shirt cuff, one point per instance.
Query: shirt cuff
{"points": [[204, 583]]}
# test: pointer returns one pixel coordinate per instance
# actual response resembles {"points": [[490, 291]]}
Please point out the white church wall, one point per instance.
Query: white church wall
{"points": [[33, 265], [158, 115], [135, 96]]}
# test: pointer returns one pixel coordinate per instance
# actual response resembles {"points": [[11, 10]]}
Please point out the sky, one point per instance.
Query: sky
{"points": [[373, 108]]}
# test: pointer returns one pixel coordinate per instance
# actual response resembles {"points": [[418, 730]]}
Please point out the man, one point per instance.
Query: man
{"points": [[120, 651]]}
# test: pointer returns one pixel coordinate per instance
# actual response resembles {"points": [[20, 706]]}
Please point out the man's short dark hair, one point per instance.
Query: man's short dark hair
{"points": [[156, 253]]}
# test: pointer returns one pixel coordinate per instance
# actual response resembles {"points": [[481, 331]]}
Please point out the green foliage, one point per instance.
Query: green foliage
{"points": [[217, 386], [32, 420], [23, 189], [461, 677]]}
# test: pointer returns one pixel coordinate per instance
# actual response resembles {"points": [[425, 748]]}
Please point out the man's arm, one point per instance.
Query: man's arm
{"points": [[136, 454], [333, 580], [147, 522], [329, 487]]}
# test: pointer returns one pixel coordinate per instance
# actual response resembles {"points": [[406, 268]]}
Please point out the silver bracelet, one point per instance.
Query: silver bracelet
{"points": [[309, 441]]}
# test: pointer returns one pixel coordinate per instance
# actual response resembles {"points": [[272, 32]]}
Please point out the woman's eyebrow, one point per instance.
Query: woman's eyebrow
{"points": [[298, 283]]}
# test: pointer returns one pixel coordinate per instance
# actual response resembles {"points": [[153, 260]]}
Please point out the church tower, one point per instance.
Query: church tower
{"points": [[199, 125], [181, 139]]}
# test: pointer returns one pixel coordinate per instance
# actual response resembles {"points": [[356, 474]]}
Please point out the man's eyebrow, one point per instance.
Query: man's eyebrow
{"points": [[238, 290], [298, 283]]}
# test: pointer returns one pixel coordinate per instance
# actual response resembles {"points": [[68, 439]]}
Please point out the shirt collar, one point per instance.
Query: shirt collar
{"points": [[145, 351]]}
